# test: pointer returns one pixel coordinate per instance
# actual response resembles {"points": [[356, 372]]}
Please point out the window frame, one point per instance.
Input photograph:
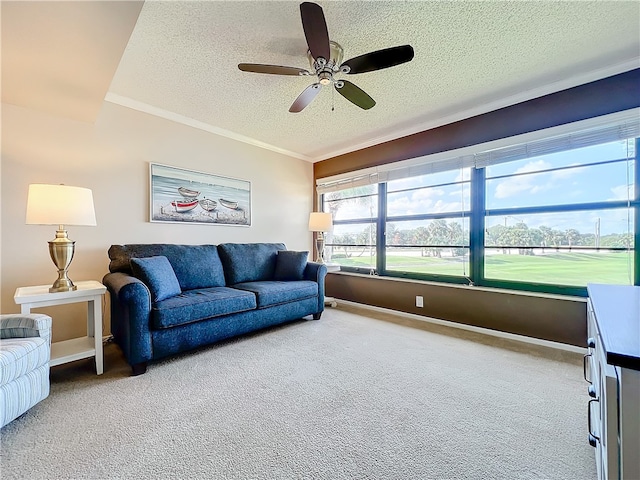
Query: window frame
{"points": [[382, 268], [477, 214]]}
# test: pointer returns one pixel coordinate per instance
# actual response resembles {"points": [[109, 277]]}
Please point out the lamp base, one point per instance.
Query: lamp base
{"points": [[61, 250], [62, 285], [320, 248]]}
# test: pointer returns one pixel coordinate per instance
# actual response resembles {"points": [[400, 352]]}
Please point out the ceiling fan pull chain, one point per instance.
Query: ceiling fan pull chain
{"points": [[333, 99]]}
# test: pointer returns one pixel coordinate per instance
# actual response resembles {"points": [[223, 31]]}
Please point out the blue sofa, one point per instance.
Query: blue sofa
{"points": [[167, 298]]}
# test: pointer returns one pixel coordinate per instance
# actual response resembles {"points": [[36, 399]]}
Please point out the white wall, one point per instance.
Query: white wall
{"points": [[112, 158]]}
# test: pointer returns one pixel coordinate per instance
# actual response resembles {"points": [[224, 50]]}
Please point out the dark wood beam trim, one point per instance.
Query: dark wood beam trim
{"points": [[601, 97]]}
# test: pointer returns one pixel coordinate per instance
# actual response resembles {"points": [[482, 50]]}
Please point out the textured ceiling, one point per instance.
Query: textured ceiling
{"points": [[181, 60]]}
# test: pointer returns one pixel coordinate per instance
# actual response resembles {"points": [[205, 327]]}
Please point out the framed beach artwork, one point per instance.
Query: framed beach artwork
{"points": [[187, 196]]}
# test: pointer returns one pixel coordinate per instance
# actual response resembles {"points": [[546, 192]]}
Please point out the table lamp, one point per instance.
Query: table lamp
{"points": [[60, 205], [320, 222]]}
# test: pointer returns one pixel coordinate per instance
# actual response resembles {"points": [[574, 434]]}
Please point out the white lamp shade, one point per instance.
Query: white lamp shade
{"points": [[60, 205], [320, 222]]}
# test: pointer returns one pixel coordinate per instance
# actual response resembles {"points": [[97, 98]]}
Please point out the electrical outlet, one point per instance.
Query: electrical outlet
{"points": [[419, 301]]}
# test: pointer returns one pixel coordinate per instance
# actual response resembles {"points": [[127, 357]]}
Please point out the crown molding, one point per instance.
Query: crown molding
{"points": [[565, 83], [175, 117]]}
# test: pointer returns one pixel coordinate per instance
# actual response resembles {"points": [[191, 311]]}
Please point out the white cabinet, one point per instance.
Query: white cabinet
{"points": [[612, 368]]}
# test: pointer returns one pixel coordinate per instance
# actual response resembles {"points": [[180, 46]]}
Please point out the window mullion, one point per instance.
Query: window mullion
{"points": [[636, 209], [381, 227], [476, 225]]}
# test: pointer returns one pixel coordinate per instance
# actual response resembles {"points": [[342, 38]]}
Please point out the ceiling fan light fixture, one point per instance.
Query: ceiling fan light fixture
{"points": [[325, 78]]}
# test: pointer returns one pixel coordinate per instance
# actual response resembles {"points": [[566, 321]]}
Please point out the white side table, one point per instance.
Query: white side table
{"points": [[89, 291], [330, 301]]}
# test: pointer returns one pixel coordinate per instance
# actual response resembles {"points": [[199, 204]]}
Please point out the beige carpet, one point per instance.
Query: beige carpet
{"points": [[348, 397]]}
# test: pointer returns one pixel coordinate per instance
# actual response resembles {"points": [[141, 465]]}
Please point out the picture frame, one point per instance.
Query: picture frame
{"points": [[179, 195]]}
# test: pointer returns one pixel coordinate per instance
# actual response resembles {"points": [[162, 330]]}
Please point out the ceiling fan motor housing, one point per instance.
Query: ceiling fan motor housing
{"points": [[325, 68]]}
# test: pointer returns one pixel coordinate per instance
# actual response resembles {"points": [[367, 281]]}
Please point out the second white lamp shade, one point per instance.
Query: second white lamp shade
{"points": [[320, 222]]}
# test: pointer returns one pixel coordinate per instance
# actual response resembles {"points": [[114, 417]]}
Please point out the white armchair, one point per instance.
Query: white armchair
{"points": [[25, 351]]}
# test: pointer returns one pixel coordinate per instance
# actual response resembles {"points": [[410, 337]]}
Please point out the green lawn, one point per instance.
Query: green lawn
{"points": [[562, 268], [559, 268]]}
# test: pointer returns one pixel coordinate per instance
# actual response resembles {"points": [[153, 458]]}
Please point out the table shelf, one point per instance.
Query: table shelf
{"points": [[71, 350]]}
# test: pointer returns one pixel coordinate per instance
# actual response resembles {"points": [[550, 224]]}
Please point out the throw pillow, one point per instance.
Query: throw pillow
{"points": [[157, 274], [290, 265]]}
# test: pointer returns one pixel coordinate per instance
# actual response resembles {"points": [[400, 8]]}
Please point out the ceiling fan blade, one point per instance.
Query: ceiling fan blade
{"points": [[315, 30], [305, 98], [389, 57], [356, 95], [273, 69]]}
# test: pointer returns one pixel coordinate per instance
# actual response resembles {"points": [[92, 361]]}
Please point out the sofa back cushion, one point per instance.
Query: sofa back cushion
{"points": [[249, 262], [290, 265], [195, 266]]}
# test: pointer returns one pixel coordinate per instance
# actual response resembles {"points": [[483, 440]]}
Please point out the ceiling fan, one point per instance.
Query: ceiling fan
{"points": [[325, 58]]}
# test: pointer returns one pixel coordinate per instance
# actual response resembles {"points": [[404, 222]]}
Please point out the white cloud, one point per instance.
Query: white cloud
{"points": [[464, 174], [534, 166], [622, 192], [407, 206], [441, 206], [464, 193], [406, 183], [419, 195], [355, 209], [563, 174], [532, 184], [513, 186], [432, 200]]}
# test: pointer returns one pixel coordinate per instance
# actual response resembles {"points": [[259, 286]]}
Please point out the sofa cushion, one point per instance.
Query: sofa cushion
{"points": [[271, 293], [18, 356], [249, 262], [290, 265], [157, 274], [195, 305], [195, 266]]}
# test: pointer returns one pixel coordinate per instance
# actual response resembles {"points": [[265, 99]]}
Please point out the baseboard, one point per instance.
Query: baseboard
{"points": [[485, 331]]}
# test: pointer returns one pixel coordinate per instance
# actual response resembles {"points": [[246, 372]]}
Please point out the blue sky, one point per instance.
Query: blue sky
{"points": [[576, 185]]}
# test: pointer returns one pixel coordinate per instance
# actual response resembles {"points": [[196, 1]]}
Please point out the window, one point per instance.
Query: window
{"points": [[551, 215], [352, 243], [562, 219], [427, 224]]}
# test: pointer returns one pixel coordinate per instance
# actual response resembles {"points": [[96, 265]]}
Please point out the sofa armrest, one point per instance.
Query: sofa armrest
{"points": [[130, 315], [25, 326], [316, 272]]}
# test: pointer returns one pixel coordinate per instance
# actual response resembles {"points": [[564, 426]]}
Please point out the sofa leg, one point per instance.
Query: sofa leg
{"points": [[138, 369], [316, 316]]}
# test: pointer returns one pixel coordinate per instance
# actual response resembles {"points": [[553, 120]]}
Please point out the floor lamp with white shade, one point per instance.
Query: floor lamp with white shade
{"points": [[320, 223]]}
